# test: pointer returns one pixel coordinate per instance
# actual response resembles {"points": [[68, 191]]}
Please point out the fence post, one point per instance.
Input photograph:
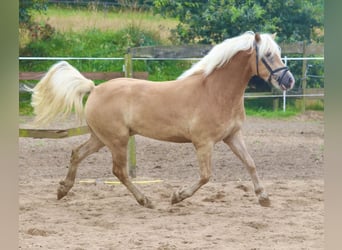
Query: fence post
{"points": [[275, 101], [284, 91], [132, 162], [304, 69]]}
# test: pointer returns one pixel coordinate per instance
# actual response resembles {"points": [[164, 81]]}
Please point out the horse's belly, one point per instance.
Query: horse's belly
{"points": [[164, 134]]}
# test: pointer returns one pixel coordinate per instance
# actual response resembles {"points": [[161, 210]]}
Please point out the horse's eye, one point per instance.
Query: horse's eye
{"points": [[268, 54]]}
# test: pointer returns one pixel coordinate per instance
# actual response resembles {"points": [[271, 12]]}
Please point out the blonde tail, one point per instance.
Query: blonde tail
{"points": [[62, 88]]}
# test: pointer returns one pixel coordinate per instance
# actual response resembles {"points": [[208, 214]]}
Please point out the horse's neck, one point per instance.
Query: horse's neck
{"points": [[229, 82]]}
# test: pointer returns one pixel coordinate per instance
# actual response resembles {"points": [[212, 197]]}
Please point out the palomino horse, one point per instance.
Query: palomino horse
{"points": [[203, 106]]}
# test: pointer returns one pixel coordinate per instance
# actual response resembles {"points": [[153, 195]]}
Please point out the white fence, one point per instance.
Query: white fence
{"points": [[286, 59]]}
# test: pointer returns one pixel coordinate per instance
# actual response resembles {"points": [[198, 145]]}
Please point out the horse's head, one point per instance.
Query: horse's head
{"points": [[268, 63]]}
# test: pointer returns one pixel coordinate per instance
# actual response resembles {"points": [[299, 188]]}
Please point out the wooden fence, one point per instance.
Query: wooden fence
{"points": [[91, 75], [53, 133], [200, 50]]}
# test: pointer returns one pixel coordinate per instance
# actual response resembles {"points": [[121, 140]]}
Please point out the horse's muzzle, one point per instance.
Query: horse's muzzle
{"points": [[285, 80]]}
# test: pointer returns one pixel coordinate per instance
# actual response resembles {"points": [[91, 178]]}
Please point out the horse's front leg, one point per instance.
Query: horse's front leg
{"points": [[204, 153], [237, 145]]}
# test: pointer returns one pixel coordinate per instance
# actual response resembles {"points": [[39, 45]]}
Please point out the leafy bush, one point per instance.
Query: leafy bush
{"points": [[133, 36]]}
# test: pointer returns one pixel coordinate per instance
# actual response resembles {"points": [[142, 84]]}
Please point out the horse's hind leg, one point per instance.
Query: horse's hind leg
{"points": [[78, 154], [237, 145]]}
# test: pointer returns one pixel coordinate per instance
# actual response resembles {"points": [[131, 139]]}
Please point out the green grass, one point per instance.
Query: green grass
{"points": [[317, 105], [81, 19], [25, 108], [290, 112]]}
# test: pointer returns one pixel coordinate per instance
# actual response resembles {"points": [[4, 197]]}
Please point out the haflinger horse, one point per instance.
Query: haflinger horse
{"points": [[203, 106]]}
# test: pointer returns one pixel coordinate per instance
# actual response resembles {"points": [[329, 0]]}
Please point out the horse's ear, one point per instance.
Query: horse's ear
{"points": [[274, 35], [257, 37]]}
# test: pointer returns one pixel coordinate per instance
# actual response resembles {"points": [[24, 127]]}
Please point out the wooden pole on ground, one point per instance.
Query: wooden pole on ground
{"points": [[132, 162]]}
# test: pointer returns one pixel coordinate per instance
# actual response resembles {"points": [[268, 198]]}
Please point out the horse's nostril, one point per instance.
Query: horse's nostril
{"points": [[291, 82]]}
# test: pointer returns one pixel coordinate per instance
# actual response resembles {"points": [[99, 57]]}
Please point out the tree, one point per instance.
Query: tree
{"points": [[213, 21], [35, 30], [27, 6]]}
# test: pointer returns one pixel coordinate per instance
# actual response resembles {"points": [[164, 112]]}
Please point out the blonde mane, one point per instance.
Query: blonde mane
{"points": [[223, 52]]}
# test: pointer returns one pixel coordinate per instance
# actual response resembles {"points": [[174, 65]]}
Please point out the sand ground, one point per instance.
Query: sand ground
{"points": [[224, 214]]}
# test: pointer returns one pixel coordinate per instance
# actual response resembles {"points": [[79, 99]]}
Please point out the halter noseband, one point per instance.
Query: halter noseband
{"points": [[268, 67]]}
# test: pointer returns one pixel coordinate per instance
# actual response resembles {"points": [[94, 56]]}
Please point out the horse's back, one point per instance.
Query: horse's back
{"points": [[112, 96]]}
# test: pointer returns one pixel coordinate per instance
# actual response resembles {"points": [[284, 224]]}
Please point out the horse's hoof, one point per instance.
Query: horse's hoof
{"points": [[62, 190], [264, 201], [175, 198], [149, 205], [146, 203]]}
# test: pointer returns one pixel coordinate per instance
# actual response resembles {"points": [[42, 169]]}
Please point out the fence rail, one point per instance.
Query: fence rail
{"points": [[53, 133], [180, 53], [90, 75], [146, 58], [195, 53]]}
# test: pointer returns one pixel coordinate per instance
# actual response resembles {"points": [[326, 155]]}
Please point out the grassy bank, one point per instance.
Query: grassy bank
{"points": [[70, 19], [66, 20], [272, 114]]}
